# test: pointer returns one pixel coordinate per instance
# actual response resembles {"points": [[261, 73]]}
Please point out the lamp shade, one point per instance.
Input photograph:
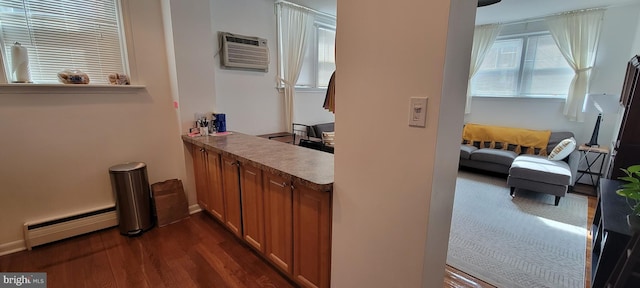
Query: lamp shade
{"points": [[601, 103]]}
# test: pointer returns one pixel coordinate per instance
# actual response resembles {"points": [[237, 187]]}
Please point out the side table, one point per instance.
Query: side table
{"points": [[601, 153]]}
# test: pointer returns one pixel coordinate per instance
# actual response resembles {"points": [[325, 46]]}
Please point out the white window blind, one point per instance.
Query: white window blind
{"points": [[62, 34], [523, 66]]}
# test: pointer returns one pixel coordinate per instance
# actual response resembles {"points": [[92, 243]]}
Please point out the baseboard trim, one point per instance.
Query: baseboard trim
{"points": [[195, 208], [12, 247]]}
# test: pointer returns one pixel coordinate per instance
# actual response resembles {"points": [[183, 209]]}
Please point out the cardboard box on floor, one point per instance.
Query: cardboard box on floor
{"points": [[170, 201]]}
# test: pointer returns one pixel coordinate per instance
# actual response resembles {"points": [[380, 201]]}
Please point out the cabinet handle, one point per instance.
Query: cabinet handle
{"points": [[235, 163], [292, 187]]}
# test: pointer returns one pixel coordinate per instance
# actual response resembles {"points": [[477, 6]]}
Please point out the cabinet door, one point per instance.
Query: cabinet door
{"points": [[311, 237], [278, 207], [200, 173], [252, 206], [231, 190], [214, 177]]}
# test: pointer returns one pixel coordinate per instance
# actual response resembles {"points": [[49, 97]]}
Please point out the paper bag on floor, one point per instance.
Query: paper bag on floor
{"points": [[170, 201]]}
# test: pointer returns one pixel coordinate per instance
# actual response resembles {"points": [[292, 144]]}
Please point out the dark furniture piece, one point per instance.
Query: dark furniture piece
{"points": [[626, 148], [625, 274], [310, 136], [285, 137], [610, 232]]}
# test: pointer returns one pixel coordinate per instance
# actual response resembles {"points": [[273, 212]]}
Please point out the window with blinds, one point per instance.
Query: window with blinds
{"points": [[62, 34]]}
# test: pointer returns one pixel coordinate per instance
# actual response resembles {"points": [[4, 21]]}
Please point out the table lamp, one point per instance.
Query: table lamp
{"points": [[601, 103]]}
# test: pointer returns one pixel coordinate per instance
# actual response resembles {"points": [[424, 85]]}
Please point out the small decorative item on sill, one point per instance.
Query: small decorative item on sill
{"points": [[20, 70], [73, 76], [118, 79]]}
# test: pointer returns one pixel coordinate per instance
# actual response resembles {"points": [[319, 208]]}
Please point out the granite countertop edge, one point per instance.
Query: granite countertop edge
{"points": [[308, 167]]}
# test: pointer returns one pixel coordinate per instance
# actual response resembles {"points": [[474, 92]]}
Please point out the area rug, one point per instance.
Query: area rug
{"points": [[524, 241]]}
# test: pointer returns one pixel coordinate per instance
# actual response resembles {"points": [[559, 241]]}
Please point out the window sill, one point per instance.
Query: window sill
{"points": [[25, 88], [304, 90], [520, 98]]}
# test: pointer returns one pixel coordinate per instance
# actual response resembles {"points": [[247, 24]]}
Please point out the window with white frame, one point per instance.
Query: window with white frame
{"points": [[319, 58], [82, 34], [525, 64]]}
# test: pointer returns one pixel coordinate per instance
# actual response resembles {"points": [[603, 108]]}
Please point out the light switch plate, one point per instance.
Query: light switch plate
{"points": [[418, 112]]}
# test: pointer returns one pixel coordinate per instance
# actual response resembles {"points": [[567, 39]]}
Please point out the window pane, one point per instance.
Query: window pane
{"points": [[326, 56], [498, 74], [546, 72], [58, 36], [307, 75]]}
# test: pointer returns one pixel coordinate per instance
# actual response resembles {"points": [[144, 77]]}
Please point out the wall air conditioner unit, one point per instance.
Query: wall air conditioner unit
{"points": [[244, 52]]}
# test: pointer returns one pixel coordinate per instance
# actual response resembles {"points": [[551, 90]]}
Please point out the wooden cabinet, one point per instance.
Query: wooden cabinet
{"points": [[278, 200], [252, 206], [206, 166], [626, 148], [215, 194], [286, 221], [311, 237], [231, 188], [200, 170]]}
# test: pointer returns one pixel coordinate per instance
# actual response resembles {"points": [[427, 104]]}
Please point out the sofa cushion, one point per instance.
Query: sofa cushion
{"points": [[466, 150], [541, 169], [556, 138], [563, 149], [328, 138], [316, 130], [504, 157]]}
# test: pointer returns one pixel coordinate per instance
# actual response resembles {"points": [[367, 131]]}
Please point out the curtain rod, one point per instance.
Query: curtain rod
{"points": [[541, 18], [305, 8]]}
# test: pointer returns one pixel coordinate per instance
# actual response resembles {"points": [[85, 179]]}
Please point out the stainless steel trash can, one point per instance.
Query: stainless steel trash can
{"points": [[133, 197]]}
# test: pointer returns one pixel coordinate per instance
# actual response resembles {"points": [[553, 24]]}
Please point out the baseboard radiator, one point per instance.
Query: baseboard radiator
{"points": [[57, 228]]}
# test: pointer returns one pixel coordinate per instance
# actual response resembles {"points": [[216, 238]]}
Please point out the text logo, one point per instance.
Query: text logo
{"points": [[23, 279]]}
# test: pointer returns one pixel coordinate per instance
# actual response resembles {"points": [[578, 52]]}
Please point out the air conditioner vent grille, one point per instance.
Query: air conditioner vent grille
{"points": [[244, 52], [243, 41]]}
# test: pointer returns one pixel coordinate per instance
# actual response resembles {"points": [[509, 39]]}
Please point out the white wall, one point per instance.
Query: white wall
{"points": [[391, 209], [617, 38], [248, 98], [189, 41], [308, 108], [252, 103], [57, 148]]}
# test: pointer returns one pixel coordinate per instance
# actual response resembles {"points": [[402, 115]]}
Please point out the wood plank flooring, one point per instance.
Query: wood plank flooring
{"points": [[196, 252]]}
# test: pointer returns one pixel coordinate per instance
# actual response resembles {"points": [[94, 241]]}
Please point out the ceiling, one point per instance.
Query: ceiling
{"points": [[505, 11]]}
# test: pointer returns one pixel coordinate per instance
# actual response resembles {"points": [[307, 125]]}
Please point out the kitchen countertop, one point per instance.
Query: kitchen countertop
{"points": [[310, 167]]}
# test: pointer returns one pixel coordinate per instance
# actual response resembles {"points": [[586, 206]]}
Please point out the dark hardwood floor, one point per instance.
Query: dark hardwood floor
{"points": [[196, 252]]}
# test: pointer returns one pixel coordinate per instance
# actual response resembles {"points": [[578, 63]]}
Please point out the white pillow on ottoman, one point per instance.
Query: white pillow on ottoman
{"points": [[563, 149]]}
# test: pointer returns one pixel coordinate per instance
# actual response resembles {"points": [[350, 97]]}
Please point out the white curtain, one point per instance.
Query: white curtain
{"points": [[296, 26], [483, 38], [577, 35]]}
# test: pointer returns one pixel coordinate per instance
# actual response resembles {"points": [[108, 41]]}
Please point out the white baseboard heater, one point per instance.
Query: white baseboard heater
{"points": [[57, 228]]}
